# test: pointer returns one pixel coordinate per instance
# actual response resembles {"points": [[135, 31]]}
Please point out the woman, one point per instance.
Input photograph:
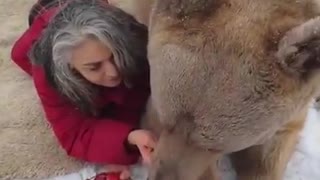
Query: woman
{"points": [[91, 74]]}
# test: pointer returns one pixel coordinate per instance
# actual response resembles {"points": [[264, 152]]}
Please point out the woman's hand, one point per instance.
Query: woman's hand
{"points": [[145, 141]]}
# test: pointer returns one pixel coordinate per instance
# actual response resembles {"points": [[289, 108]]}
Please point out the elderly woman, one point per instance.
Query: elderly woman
{"points": [[91, 73]]}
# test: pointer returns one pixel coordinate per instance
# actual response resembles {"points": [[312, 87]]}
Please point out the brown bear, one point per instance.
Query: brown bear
{"points": [[230, 77]]}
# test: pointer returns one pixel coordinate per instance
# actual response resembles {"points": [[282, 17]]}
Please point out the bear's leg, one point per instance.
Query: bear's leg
{"points": [[269, 161]]}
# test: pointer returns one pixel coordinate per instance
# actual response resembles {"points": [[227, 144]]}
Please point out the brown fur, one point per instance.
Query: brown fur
{"points": [[140, 9], [269, 160], [230, 76]]}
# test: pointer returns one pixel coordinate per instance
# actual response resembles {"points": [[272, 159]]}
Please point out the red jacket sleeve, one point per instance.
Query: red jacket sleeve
{"points": [[21, 48], [83, 137]]}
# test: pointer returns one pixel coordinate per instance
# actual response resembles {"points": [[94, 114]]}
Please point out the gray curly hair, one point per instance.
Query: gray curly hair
{"points": [[81, 19]]}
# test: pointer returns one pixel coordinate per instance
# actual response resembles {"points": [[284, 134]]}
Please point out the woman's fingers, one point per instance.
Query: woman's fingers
{"points": [[125, 175], [150, 144], [145, 154], [150, 141]]}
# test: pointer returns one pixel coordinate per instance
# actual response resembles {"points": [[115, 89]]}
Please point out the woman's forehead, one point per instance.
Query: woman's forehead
{"points": [[90, 51]]}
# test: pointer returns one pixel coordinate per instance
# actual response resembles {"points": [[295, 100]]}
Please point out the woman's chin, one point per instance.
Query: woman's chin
{"points": [[113, 83]]}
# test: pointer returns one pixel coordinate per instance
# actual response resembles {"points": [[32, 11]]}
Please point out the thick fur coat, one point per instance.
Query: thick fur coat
{"points": [[230, 76]]}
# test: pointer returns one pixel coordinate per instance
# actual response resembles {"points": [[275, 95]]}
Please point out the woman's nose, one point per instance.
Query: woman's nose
{"points": [[111, 70]]}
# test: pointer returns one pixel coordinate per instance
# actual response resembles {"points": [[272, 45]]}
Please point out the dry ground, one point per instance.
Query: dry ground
{"points": [[27, 147]]}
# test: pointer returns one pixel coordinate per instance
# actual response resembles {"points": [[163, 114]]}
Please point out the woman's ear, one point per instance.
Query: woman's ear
{"points": [[299, 49]]}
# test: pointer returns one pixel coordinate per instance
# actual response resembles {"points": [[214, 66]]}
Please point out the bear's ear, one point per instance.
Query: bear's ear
{"points": [[299, 49]]}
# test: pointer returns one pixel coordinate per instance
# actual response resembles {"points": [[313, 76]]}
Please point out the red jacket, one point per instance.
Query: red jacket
{"points": [[84, 137]]}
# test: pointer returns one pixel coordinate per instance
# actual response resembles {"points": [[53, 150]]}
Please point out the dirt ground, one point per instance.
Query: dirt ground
{"points": [[13, 20], [27, 146]]}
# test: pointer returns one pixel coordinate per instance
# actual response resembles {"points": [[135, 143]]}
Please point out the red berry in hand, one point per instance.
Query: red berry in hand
{"points": [[113, 176]]}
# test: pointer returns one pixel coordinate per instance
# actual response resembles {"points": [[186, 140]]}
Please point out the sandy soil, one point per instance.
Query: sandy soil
{"points": [[27, 146], [13, 19]]}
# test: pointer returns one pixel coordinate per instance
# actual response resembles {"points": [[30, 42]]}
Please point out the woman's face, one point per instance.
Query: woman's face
{"points": [[94, 61]]}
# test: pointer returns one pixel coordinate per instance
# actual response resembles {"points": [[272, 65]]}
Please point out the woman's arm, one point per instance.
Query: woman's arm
{"points": [[84, 137], [21, 48]]}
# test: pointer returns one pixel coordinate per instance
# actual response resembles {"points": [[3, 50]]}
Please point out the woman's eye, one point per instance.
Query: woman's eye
{"points": [[111, 59], [95, 67]]}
